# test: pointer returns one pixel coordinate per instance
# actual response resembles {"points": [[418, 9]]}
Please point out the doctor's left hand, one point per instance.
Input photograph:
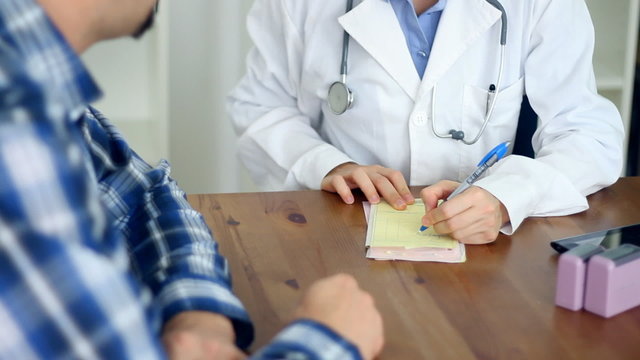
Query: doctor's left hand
{"points": [[374, 181], [473, 217]]}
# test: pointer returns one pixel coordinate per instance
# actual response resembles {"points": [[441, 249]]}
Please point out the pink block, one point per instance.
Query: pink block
{"points": [[613, 284], [570, 282]]}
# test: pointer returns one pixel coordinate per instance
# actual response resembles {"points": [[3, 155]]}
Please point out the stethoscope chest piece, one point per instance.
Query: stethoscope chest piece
{"points": [[340, 98]]}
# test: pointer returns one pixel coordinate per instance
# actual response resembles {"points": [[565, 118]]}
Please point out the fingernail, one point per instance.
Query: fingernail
{"points": [[349, 200], [375, 200], [408, 198], [401, 204]]}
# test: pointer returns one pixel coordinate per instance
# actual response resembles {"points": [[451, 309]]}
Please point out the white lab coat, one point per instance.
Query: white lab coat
{"points": [[289, 139]]}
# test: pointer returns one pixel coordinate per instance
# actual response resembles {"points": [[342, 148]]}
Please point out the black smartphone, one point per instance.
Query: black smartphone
{"points": [[612, 238]]}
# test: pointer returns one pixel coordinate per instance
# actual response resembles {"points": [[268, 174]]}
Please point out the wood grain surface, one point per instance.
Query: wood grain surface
{"points": [[497, 305]]}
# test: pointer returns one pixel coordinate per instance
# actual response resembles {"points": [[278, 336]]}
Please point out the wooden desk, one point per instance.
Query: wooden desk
{"points": [[497, 305]]}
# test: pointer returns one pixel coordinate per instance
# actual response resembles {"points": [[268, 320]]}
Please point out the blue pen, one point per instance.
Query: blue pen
{"points": [[487, 161]]}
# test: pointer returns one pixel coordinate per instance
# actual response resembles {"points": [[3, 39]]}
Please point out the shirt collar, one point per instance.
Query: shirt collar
{"points": [[48, 57], [439, 6]]}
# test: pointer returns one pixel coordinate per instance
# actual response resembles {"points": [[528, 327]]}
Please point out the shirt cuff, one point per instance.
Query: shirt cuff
{"points": [[527, 187], [308, 339], [311, 168], [206, 295]]}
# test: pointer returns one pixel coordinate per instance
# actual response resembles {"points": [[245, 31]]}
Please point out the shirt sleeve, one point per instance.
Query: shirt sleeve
{"points": [[65, 290], [171, 248], [306, 340], [579, 141], [278, 142]]}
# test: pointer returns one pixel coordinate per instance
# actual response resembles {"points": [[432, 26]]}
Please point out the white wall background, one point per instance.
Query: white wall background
{"points": [[208, 45], [166, 93]]}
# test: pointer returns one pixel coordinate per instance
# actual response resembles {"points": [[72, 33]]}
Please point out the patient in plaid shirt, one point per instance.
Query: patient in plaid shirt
{"points": [[101, 256]]}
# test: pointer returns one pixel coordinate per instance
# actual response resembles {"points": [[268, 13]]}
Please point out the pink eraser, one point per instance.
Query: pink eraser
{"points": [[572, 270], [613, 281]]}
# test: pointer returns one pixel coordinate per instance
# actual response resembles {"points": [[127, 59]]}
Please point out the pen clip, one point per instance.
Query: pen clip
{"points": [[499, 152]]}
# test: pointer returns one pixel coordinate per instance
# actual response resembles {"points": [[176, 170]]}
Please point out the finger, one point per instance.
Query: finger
{"points": [[449, 209], [215, 350], [181, 345], [212, 348], [388, 191], [484, 212], [476, 233], [440, 190], [399, 183], [372, 339], [426, 221], [466, 209], [361, 178], [344, 280], [480, 238], [379, 342], [342, 188], [458, 222], [473, 226], [378, 325]]}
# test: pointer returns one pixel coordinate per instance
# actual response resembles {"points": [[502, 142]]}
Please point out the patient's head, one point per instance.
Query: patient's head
{"points": [[85, 22]]}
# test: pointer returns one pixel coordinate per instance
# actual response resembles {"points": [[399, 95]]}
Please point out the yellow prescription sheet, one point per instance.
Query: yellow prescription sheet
{"points": [[399, 228]]}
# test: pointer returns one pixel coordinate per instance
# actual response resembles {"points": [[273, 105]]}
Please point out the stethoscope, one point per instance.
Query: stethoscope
{"points": [[340, 97]]}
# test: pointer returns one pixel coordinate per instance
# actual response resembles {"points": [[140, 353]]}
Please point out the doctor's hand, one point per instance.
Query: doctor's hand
{"points": [[473, 217], [375, 181], [339, 303], [192, 335]]}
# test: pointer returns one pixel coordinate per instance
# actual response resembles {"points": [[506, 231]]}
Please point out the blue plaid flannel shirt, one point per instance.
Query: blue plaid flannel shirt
{"points": [[97, 248]]}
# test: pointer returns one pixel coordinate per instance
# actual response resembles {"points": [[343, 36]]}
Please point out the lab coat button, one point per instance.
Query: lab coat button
{"points": [[420, 118]]}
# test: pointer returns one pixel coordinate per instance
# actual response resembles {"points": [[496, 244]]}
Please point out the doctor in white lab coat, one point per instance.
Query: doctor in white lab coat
{"points": [[290, 139]]}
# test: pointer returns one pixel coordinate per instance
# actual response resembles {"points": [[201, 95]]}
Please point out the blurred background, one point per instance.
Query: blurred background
{"points": [[166, 93]]}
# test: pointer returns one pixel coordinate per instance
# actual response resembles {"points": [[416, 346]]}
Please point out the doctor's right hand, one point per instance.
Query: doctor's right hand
{"points": [[374, 181]]}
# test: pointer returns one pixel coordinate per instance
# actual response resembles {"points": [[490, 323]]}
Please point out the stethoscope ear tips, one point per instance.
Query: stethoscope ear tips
{"points": [[456, 134]]}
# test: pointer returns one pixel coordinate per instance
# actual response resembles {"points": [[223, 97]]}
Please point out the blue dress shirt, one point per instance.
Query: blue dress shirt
{"points": [[419, 31]]}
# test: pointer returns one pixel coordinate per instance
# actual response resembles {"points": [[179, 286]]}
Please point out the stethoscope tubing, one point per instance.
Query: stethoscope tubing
{"points": [[489, 114], [345, 48], [347, 94]]}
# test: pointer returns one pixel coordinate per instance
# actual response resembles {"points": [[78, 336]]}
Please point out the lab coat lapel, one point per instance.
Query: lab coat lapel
{"points": [[461, 23], [374, 26]]}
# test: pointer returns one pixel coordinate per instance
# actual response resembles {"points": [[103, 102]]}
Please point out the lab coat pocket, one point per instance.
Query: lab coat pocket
{"points": [[504, 120]]}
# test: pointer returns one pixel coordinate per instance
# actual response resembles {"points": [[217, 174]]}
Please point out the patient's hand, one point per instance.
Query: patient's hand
{"points": [[200, 335], [340, 304]]}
